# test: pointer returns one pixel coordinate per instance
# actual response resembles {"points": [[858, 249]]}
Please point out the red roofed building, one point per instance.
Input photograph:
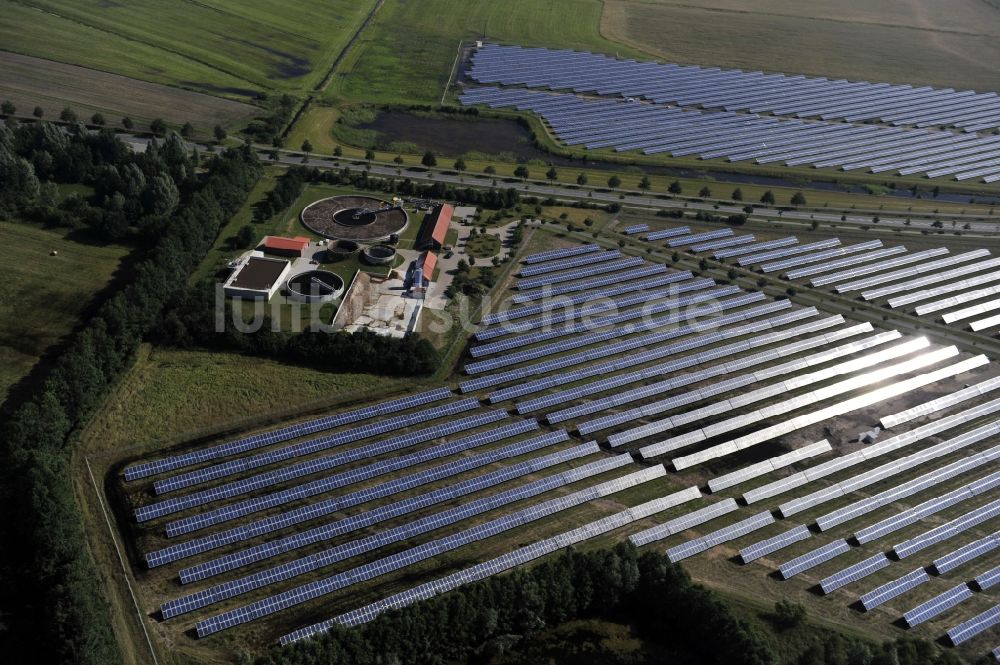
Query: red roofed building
{"points": [[285, 246], [435, 227], [428, 262]]}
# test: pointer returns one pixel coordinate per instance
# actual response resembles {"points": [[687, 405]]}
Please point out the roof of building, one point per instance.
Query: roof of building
{"points": [[259, 274], [428, 261], [437, 228], [297, 244]]}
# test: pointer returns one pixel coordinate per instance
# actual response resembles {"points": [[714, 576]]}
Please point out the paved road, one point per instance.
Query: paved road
{"points": [[544, 190]]}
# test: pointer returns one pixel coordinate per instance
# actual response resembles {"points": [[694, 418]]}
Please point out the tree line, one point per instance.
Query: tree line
{"points": [[492, 198], [190, 322], [54, 608]]}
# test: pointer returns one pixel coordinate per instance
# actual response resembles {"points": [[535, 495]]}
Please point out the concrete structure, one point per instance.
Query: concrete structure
{"points": [[354, 217], [256, 276], [315, 286], [379, 255]]}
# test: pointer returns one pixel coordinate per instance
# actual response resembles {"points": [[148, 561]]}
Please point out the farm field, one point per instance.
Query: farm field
{"points": [[29, 82], [951, 44], [406, 54], [45, 295], [219, 46]]}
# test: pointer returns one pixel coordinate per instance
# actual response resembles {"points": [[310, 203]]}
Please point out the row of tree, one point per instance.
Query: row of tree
{"points": [[53, 606], [492, 198], [191, 321], [157, 126], [285, 191]]}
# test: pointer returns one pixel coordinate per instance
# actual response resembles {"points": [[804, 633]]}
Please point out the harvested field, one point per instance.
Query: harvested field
{"points": [[223, 47], [952, 44], [28, 82]]}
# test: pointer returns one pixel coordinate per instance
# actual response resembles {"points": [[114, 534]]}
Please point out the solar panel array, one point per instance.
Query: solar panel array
{"points": [[667, 233], [947, 530], [813, 558], [311, 446], [656, 371], [554, 254], [778, 94], [757, 247], [632, 343], [755, 349], [894, 589], [295, 596], [330, 556], [838, 409], [891, 469], [516, 313], [878, 266], [686, 114], [878, 255], [977, 624], [569, 275], [784, 264], [854, 573], [967, 553], [748, 327], [767, 466], [649, 324], [783, 387], [724, 535], [988, 579], [650, 308], [330, 506], [592, 283], [775, 543], [146, 469], [635, 228], [907, 489], [340, 527], [573, 262], [498, 565], [937, 605], [684, 522], [319, 464], [590, 309], [941, 403]]}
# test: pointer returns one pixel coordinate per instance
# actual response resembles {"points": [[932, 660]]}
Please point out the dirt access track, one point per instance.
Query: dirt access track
{"points": [[29, 82]]}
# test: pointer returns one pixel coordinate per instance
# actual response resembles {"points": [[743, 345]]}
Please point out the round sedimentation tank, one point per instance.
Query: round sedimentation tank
{"points": [[354, 218], [343, 247], [379, 255], [315, 286]]}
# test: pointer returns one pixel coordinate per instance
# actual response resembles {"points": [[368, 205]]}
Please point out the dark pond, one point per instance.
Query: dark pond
{"points": [[492, 136]]}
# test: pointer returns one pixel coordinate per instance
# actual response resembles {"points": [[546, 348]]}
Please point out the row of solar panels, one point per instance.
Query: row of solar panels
{"points": [[344, 551], [735, 90], [330, 506], [500, 564], [911, 280], [653, 129]]}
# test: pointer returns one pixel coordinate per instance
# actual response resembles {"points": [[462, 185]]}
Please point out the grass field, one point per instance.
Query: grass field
{"points": [[175, 394], [227, 47], [406, 55], [44, 295], [946, 44], [29, 82]]}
